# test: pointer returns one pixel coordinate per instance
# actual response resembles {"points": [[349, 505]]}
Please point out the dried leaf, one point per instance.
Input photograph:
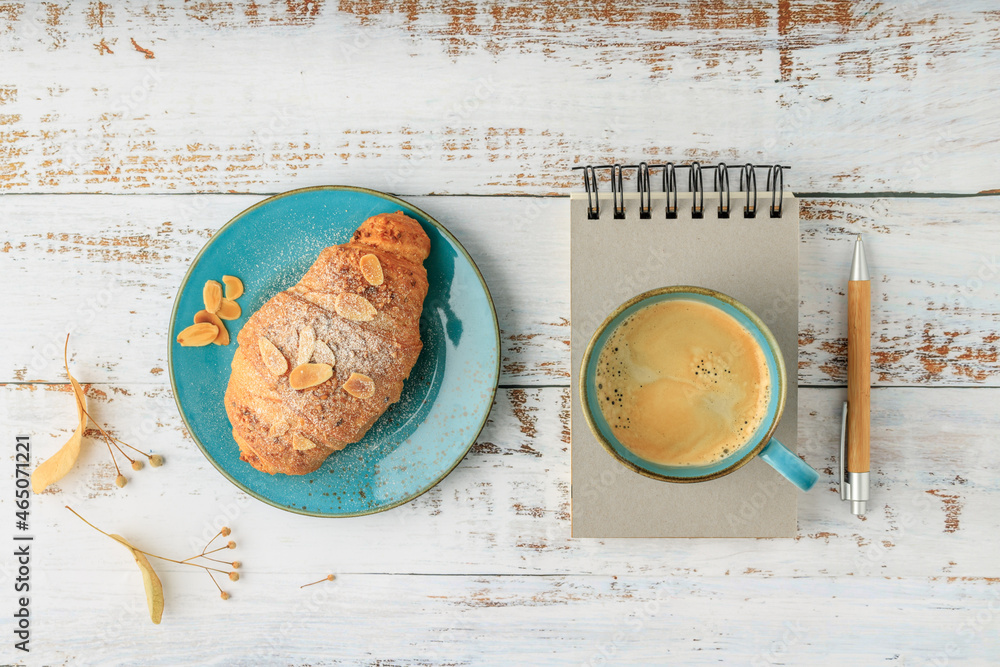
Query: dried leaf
{"points": [[151, 582], [234, 287], [55, 468]]}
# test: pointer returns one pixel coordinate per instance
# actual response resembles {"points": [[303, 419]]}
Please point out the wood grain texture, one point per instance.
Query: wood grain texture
{"points": [[506, 508], [859, 371], [504, 579], [491, 620], [262, 96], [936, 287]]}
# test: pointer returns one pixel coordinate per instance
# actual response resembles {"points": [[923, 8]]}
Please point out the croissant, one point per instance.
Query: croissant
{"points": [[346, 335]]}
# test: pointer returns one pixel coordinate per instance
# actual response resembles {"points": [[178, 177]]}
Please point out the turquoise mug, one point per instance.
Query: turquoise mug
{"points": [[761, 443]]}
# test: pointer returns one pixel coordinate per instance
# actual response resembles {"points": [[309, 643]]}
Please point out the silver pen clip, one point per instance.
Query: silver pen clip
{"points": [[842, 462], [853, 485]]}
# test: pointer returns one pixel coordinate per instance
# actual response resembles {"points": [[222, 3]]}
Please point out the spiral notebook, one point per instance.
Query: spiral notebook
{"points": [[740, 241]]}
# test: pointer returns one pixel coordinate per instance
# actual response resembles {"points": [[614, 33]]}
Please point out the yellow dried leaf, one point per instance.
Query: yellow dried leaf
{"points": [[55, 467], [202, 316], [229, 310], [234, 287], [151, 582], [371, 269]]}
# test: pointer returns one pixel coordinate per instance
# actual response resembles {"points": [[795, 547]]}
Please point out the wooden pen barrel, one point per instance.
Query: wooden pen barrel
{"points": [[859, 368]]}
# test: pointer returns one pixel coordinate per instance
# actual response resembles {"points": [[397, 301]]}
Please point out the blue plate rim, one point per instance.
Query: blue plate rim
{"points": [[335, 188]]}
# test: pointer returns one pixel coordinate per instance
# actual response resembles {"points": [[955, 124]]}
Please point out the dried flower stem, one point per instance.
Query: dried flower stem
{"points": [[212, 577], [110, 440], [328, 577], [151, 555]]}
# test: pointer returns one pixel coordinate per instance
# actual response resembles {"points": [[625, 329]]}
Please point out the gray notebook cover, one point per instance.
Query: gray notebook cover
{"points": [[753, 260]]}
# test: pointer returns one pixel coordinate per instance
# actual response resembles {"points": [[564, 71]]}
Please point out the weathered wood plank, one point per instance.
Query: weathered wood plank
{"points": [[506, 508], [447, 620], [260, 97], [107, 268]]}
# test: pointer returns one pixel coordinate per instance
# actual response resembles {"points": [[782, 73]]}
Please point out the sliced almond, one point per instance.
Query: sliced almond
{"points": [[371, 269], [212, 294], [323, 354], [360, 386], [307, 341], [204, 316], [197, 335], [229, 310], [302, 443], [234, 287], [309, 375], [274, 360], [355, 307]]}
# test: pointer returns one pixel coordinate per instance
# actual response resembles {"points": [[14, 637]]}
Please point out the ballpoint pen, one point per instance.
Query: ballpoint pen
{"points": [[855, 427]]}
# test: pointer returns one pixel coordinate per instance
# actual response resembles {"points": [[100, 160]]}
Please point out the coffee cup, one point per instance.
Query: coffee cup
{"points": [[753, 335]]}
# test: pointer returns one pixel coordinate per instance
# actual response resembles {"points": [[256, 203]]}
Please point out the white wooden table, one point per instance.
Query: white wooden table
{"points": [[130, 131]]}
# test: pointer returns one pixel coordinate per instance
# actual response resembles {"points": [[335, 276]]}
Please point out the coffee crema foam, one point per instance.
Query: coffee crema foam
{"points": [[682, 383]]}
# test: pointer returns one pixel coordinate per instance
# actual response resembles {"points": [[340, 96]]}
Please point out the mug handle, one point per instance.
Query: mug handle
{"points": [[791, 467]]}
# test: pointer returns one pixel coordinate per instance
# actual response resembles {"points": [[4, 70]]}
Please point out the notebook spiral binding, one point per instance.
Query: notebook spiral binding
{"points": [[696, 185]]}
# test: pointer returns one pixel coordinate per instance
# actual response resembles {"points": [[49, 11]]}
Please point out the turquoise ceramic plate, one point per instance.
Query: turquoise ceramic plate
{"points": [[444, 404]]}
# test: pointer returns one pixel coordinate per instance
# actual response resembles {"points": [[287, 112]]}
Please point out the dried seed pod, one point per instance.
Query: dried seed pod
{"points": [[229, 310], [360, 386], [274, 360], [371, 269], [307, 343], [151, 582], [198, 335], [309, 375], [156, 460], [121, 481], [212, 294], [56, 466], [225, 532], [234, 287], [234, 576], [302, 443], [355, 307], [222, 338], [323, 354], [136, 465]]}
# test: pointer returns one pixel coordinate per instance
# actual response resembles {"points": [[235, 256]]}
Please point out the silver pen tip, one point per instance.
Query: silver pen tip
{"points": [[859, 265], [859, 507]]}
